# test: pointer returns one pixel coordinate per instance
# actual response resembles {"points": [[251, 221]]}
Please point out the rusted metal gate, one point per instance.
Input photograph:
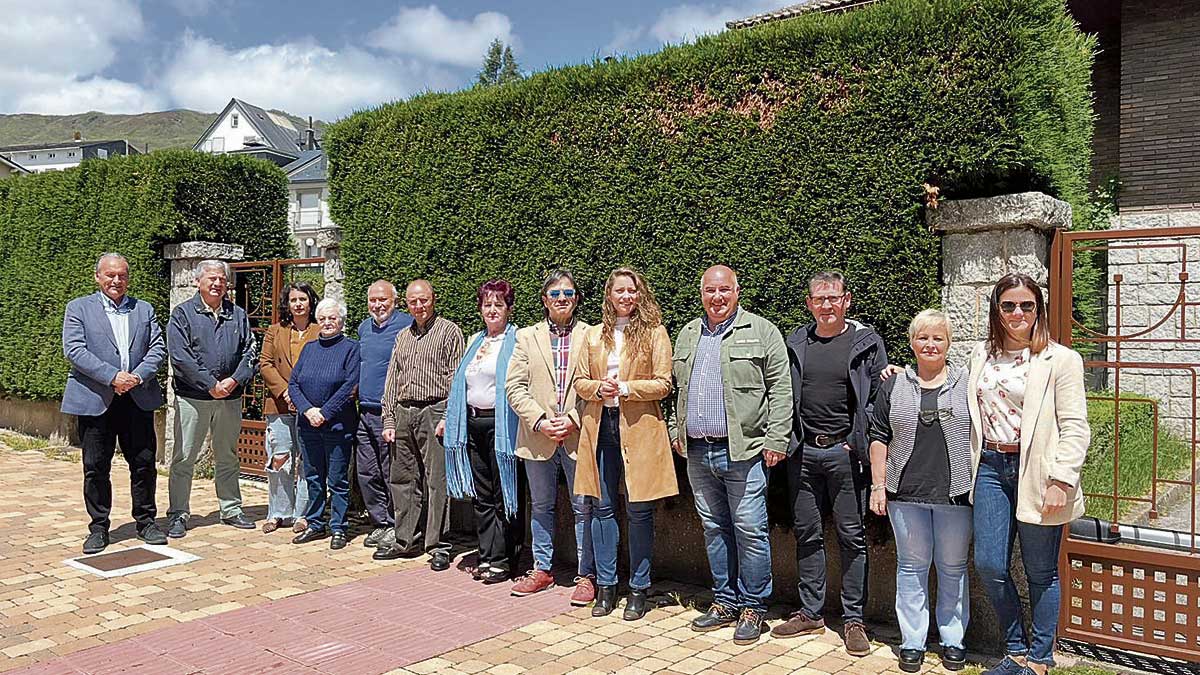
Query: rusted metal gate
{"points": [[1134, 585], [256, 287]]}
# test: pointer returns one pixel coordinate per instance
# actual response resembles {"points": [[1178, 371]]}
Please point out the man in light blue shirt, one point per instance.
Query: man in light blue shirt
{"points": [[115, 347]]}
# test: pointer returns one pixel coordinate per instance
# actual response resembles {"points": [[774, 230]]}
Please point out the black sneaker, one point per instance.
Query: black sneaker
{"points": [[372, 540], [1006, 667], [96, 541], [239, 521], [749, 627], [718, 616], [177, 528], [152, 535]]}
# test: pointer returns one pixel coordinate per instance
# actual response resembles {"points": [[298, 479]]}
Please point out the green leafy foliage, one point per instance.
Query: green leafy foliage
{"points": [[53, 226], [779, 150]]}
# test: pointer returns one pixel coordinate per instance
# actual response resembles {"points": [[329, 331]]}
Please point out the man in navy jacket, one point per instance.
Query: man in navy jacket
{"points": [[115, 348], [214, 357]]}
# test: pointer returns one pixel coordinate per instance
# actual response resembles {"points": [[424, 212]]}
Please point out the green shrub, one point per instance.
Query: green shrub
{"points": [[780, 150], [1136, 451], [53, 226]]}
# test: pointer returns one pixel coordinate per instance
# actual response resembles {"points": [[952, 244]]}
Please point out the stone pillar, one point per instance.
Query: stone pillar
{"points": [[184, 257], [329, 239], [984, 239]]}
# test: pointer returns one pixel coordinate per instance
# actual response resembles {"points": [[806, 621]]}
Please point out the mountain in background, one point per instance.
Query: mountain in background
{"points": [[167, 129]]}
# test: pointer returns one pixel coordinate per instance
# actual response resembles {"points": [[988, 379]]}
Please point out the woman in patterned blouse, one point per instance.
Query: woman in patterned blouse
{"points": [[1029, 438]]}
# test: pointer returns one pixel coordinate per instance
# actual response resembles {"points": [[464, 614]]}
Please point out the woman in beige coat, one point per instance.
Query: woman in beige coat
{"points": [[1029, 437], [624, 373]]}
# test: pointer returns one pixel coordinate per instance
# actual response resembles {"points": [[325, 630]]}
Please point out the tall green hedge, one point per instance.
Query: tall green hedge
{"points": [[54, 225], [779, 150]]}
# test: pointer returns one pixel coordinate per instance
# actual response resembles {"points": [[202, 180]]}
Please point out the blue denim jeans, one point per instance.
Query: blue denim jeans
{"points": [[543, 493], [327, 463], [937, 534], [731, 498], [996, 526], [606, 535], [286, 499]]}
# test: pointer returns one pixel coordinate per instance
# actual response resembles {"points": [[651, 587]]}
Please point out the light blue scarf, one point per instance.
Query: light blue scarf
{"points": [[459, 481]]}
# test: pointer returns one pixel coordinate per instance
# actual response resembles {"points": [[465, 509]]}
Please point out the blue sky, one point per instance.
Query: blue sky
{"points": [[307, 57]]}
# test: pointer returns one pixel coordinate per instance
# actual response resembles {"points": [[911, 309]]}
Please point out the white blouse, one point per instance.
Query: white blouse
{"points": [[1001, 395], [614, 357], [481, 374]]}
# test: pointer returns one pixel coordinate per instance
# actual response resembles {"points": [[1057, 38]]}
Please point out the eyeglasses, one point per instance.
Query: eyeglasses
{"points": [[820, 300], [928, 417], [565, 293], [1027, 306]]}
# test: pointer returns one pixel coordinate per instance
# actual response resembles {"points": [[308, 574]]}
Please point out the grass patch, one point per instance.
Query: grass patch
{"points": [[1136, 452], [1072, 670], [23, 443]]}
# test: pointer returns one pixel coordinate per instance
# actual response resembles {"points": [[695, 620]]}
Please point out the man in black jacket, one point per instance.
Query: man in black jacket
{"points": [[835, 373], [213, 356]]}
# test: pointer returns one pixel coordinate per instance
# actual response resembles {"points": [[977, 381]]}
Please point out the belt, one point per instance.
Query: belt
{"points": [[824, 440], [711, 440], [1006, 448], [472, 411], [419, 404]]}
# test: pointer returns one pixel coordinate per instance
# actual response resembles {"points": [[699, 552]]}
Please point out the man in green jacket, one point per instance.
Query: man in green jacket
{"points": [[733, 415]]}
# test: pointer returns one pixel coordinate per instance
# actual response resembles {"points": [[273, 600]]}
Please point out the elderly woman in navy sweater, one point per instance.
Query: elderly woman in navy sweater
{"points": [[322, 388]]}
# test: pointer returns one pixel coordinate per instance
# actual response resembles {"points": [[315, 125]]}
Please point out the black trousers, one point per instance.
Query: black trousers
{"points": [[501, 539], [125, 423]]}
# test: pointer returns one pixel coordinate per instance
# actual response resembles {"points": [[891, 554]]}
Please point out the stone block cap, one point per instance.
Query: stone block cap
{"points": [[1023, 210], [329, 236], [203, 250]]}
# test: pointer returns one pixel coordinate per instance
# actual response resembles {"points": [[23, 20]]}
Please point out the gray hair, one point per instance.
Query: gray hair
{"points": [[109, 256], [210, 264], [828, 277], [331, 303], [387, 284]]}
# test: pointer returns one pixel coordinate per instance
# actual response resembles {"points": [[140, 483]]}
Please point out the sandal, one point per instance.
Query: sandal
{"points": [[270, 526], [300, 525]]}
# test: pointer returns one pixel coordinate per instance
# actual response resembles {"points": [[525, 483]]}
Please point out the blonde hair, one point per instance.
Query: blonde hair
{"points": [[930, 317], [645, 318]]}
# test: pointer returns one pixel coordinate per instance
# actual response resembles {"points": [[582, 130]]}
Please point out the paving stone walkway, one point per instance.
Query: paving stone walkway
{"points": [[255, 603]]}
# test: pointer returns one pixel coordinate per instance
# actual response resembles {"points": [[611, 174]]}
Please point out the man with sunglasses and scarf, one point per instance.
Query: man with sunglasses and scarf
{"points": [[540, 386], [835, 375]]}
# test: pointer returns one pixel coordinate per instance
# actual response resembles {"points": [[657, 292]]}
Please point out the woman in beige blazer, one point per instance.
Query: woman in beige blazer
{"points": [[1029, 437], [624, 373], [281, 348]]}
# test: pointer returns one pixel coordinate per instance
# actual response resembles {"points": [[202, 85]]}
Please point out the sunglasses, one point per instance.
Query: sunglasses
{"points": [[564, 293], [1009, 307], [928, 417]]}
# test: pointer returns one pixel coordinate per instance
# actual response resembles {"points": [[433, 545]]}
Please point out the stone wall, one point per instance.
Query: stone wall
{"points": [[984, 239], [1147, 282]]}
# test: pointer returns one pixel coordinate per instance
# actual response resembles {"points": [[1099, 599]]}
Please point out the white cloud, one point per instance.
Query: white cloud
{"points": [[55, 50], [686, 22], [428, 34], [303, 78]]}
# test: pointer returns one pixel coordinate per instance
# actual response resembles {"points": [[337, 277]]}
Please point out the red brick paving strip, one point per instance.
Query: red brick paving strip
{"points": [[363, 627]]}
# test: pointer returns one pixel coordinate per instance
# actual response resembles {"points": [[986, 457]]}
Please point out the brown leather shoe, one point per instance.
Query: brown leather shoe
{"points": [[584, 593], [798, 624], [857, 643]]}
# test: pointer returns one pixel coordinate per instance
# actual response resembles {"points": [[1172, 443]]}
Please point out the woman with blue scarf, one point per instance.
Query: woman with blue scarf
{"points": [[480, 435]]}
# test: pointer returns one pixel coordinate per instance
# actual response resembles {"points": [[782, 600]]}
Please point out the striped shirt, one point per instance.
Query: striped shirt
{"points": [[422, 365], [706, 391]]}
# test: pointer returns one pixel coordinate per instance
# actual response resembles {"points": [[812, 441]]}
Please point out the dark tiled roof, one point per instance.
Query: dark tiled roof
{"points": [[65, 145], [274, 135], [798, 9], [312, 165]]}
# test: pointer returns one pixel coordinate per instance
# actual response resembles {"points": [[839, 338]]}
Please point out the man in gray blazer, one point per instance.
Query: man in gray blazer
{"points": [[115, 348]]}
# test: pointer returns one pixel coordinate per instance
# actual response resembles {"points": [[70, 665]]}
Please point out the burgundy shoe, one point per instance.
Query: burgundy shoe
{"points": [[584, 593], [534, 582]]}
